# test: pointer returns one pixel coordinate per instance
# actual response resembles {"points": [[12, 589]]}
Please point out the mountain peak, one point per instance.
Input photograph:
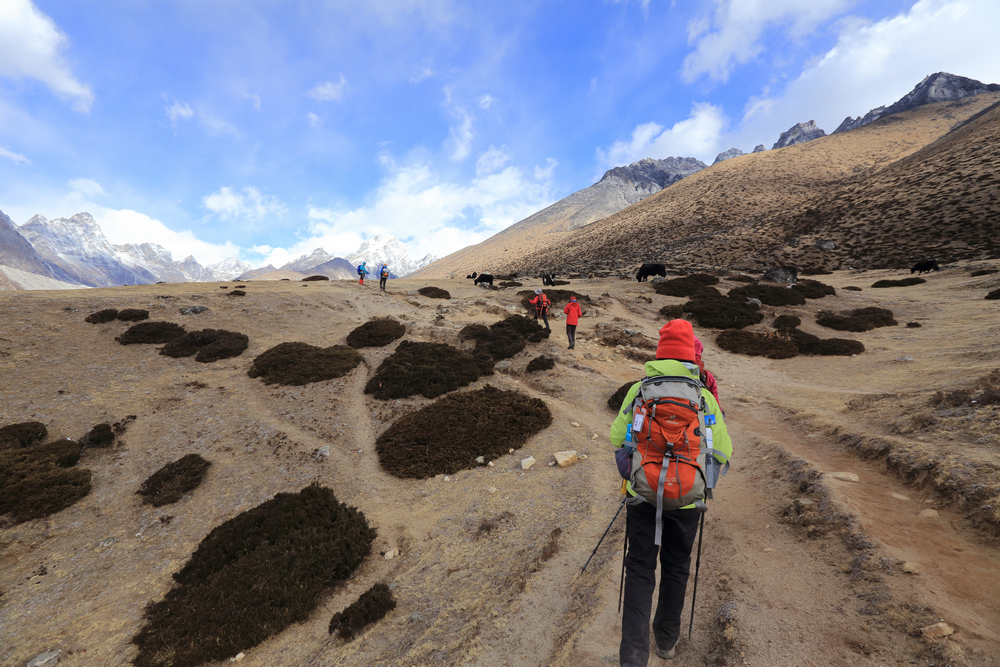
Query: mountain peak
{"points": [[385, 248], [798, 134]]}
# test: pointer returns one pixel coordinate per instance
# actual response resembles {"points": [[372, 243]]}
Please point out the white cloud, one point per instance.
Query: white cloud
{"points": [[314, 120], [179, 111], [874, 64], [492, 160], [248, 204], [698, 136], [87, 187], [425, 73], [127, 226], [429, 214], [16, 157], [545, 173], [460, 136], [30, 47], [486, 101], [329, 91], [738, 28]]}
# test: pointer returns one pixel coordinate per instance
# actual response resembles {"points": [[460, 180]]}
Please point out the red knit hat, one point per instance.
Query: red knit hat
{"points": [[676, 341]]}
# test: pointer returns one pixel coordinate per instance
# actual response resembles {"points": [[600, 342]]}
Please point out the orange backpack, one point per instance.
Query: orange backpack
{"points": [[668, 421]]}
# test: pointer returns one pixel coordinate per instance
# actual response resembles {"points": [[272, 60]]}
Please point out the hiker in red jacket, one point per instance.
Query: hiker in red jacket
{"points": [[573, 314], [541, 304]]}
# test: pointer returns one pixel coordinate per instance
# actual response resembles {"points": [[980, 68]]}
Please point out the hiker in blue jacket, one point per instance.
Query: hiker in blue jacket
{"points": [[676, 357]]}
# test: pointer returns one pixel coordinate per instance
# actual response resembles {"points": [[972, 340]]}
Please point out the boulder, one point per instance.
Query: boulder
{"points": [[527, 463], [937, 631], [566, 458]]}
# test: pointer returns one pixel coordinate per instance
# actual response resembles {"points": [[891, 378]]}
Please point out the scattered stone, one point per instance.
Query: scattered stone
{"points": [[194, 310], [551, 463], [583, 457], [322, 453], [928, 514], [416, 617], [527, 463], [899, 496], [238, 657], [574, 423], [594, 437], [492, 489], [768, 550], [712, 658], [45, 659], [905, 359], [588, 355], [937, 631], [910, 568], [844, 476], [390, 554], [490, 464], [447, 478], [566, 458], [802, 504], [480, 460]]}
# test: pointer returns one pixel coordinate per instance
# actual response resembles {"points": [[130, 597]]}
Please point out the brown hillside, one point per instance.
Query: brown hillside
{"points": [[735, 212]]}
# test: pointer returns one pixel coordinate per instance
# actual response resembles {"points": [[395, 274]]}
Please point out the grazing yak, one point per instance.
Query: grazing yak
{"points": [[484, 278], [473, 276], [647, 270], [549, 279], [925, 266]]}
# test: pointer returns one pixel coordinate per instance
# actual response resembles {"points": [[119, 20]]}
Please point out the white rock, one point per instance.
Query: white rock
{"points": [[551, 463], [574, 423], [490, 464], [492, 489], [510, 451], [928, 514], [910, 568], [843, 476], [391, 553], [480, 460], [527, 463], [322, 453], [566, 458], [594, 437], [899, 496], [238, 657], [45, 659], [583, 457], [447, 479]]}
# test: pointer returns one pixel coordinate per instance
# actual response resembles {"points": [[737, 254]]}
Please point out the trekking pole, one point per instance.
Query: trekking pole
{"points": [[604, 535], [697, 565], [621, 584]]}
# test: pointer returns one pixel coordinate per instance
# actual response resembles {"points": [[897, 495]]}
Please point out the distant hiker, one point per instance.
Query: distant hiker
{"points": [[541, 304], [663, 518], [362, 272], [573, 314], [383, 275], [707, 378]]}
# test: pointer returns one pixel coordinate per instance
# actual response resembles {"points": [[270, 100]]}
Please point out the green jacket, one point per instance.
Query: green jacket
{"points": [[720, 435]]}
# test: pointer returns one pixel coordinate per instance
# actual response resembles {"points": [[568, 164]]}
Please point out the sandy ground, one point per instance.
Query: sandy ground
{"points": [[468, 598]]}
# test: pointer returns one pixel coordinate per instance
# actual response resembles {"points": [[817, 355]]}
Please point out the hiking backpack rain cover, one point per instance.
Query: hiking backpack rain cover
{"points": [[668, 421]]}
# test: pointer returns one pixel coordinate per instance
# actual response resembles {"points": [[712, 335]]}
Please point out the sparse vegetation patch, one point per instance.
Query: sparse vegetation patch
{"points": [[169, 484], [698, 284], [504, 339], [25, 434], [447, 435], [615, 400], [252, 577], [297, 364], [207, 345], [428, 369], [984, 272], [541, 363], [102, 316], [237, 292], [376, 333], [904, 282], [993, 296], [311, 278], [722, 313], [673, 312], [434, 292], [151, 333], [786, 322], [102, 435], [814, 345], [40, 480], [753, 344], [133, 315], [771, 295], [859, 319], [813, 289], [373, 604]]}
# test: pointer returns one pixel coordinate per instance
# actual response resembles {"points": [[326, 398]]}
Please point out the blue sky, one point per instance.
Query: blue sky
{"points": [[265, 128]]}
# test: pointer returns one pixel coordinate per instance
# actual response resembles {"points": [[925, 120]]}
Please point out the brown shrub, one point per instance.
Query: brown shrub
{"points": [[102, 435], [984, 391], [168, 484], [102, 316], [377, 332], [814, 271], [741, 278], [772, 346], [35, 481], [615, 400], [905, 282], [504, 339], [771, 295], [25, 434], [309, 278], [814, 345], [428, 369], [133, 315], [813, 289], [511, 283], [852, 288], [151, 333], [551, 547], [252, 577], [434, 292], [722, 313], [541, 363], [984, 272], [913, 325], [373, 604], [859, 319], [699, 284], [993, 296], [674, 312], [237, 292], [447, 435], [786, 322], [297, 364], [207, 345]]}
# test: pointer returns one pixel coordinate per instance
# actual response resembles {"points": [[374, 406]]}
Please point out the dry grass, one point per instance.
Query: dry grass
{"points": [[755, 344]]}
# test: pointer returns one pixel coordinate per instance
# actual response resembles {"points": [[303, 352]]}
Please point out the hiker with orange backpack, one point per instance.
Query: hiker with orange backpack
{"points": [[672, 445], [541, 304]]}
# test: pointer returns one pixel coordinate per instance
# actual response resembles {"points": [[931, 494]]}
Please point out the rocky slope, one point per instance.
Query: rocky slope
{"points": [[798, 134]]}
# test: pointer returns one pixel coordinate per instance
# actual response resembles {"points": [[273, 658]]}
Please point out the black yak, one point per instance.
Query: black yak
{"points": [[549, 279], [473, 276], [484, 278], [925, 266], [647, 270]]}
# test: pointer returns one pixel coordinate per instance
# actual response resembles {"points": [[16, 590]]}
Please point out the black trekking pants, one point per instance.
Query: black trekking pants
{"points": [[545, 316], [679, 530], [571, 335], [381, 283]]}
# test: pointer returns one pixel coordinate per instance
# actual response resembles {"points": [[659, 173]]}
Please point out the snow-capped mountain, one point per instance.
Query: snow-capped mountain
{"points": [[385, 248], [227, 269], [307, 262]]}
